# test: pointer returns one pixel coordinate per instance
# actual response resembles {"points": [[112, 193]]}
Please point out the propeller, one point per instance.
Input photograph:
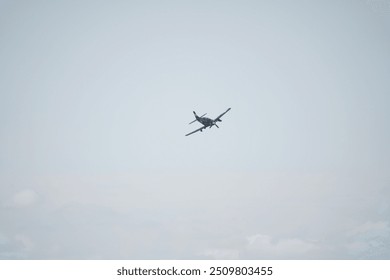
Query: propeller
{"points": [[214, 123]]}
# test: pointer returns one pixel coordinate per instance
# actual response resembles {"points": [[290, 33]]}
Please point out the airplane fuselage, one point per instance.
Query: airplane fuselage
{"points": [[205, 121]]}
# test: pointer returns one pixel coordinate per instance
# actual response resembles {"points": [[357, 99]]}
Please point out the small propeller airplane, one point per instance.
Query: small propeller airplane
{"points": [[207, 122]]}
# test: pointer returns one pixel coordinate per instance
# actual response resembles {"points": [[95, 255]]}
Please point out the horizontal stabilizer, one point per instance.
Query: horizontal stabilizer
{"points": [[196, 116]]}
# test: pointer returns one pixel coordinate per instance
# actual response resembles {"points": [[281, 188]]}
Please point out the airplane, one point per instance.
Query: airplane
{"points": [[207, 122]]}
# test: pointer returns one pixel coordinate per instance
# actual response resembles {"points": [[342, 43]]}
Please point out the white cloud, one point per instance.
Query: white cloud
{"points": [[260, 246], [264, 246], [18, 246], [23, 198], [370, 240], [222, 254], [24, 241], [380, 228]]}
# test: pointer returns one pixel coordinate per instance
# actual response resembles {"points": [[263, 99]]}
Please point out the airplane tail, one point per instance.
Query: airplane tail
{"points": [[196, 118]]}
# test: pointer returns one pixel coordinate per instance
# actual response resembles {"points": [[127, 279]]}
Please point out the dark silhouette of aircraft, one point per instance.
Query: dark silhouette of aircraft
{"points": [[207, 122]]}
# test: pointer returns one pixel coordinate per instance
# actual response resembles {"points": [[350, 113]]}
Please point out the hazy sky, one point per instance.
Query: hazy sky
{"points": [[96, 97]]}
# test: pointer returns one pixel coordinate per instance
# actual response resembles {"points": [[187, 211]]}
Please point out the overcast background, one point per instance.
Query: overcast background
{"points": [[96, 97]]}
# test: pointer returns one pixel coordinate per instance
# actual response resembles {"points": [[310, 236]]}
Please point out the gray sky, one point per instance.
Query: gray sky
{"points": [[96, 97]]}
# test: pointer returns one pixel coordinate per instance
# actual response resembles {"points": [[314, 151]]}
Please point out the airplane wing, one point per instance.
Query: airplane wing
{"points": [[218, 118], [199, 129]]}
